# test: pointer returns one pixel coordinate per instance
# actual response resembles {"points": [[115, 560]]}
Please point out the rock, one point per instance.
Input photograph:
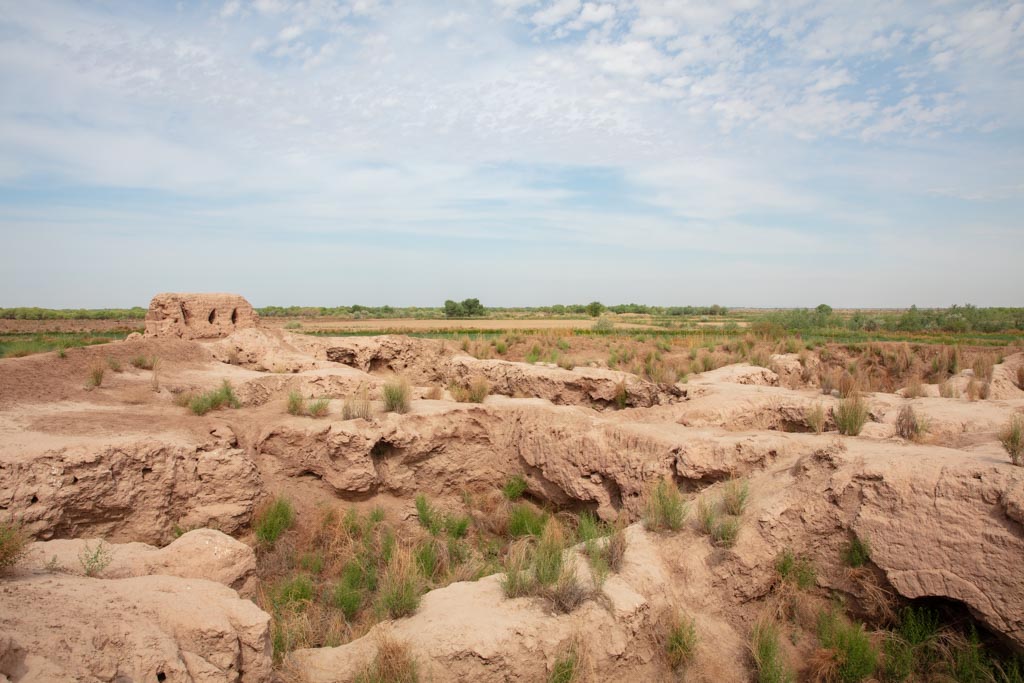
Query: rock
{"points": [[148, 628], [197, 554], [198, 316]]}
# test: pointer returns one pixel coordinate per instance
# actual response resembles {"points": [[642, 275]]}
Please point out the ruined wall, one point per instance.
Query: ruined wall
{"points": [[198, 316]]}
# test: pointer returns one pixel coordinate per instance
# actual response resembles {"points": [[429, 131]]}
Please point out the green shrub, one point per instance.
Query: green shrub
{"points": [[426, 559], [349, 599], [214, 400], [851, 414], [589, 528], [665, 508], [768, 656], [1012, 438], [501, 347], [525, 520], [296, 404], [547, 560], [514, 488], [567, 667], [681, 641], [398, 591], [312, 562], [294, 593], [815, 418], [457, 526], [856, 657], [396, 396], [14, 544], [856, 553], [726, 532], [430, 518], [274, 520], [518, 580], [318, 407], [796, 570], [95, 560], [707, 516], [735, 496]]}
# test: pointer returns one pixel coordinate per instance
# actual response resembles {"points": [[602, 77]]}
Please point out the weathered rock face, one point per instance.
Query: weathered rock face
{"points": [[58, 627], [138, 490], [198, 554], [198, 316]]}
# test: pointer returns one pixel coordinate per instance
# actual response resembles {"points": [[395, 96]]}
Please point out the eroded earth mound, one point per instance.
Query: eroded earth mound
{"points": [[111, 479]]}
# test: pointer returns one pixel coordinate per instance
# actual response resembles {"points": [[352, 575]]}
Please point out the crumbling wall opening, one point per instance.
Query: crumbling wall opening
{"points": [[234, 316], [212, 316]]}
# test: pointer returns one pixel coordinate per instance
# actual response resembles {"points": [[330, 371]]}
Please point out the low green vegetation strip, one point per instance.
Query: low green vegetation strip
{"points": [[18, 345]]}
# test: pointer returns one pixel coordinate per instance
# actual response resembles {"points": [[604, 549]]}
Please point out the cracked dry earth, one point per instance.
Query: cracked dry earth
{"points": [[124, 463]]}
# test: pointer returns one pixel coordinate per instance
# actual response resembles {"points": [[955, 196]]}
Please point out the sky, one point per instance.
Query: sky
{"points": [[523, 152]]}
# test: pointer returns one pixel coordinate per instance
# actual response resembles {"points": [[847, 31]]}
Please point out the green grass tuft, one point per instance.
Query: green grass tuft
{"points": [[857, 552], [681, 641], [525, 520], [274, 520], [14, 544], [514, 488], [851, 414], [214, 400], [665, 508], [768, 656], [396, 395]]}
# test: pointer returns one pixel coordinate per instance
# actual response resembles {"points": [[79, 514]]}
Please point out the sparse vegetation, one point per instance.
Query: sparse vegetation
{"points": [[726, 531], [318, 407], [734, 496], [143, 362], [815, 417], [398, 594], [851, 415], [796, 570], [665, 508], [393, 663], [768, 656], [852, 653], [525, 520], [274, 520], [1012, 438], [214, 400], [96, 372], [514, 488], [475, 392], [296, 404], [857, 552], [681, 641], [14, 543], [357, 406], [567, 667], [909, 426], [396, 395], [114, 364], [95, 559]]}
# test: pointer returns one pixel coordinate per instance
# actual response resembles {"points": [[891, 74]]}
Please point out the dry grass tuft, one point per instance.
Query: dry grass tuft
{"points": [[95, 378], [815, 417], [14, 543], [914, 387], [909, 426], [396, 395], [851, 414], [665, 508], [475, 392], [393, 663], [357, 406], [1012, 439]]}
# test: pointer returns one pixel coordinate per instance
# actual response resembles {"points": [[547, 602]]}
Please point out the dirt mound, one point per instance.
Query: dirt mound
{"points": [[198, 316]]}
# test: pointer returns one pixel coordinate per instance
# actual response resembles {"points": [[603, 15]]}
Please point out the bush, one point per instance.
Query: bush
{"points": [[398, 592], [1012, 438], [851, 415], [603, 325], [525, 520], [396, 396], [815, 418], [854, 654], [143, 363], [909, 426], [296, 404], [476, 392], [96, 373], [796, 570], [514, 488], [681, 641], [393, 663], [114, 364], [14, 543], [214, 400], [274, 520], [95, 560], [734, 498], [768, 657], [357, 406], [567, 667], [547, 560], [318, 407], [568, 593], [726, 532], [856, 553], [296, 592], [707, 516], [665, 508]]}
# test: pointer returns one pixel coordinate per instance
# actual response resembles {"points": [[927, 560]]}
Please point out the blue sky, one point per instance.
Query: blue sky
{"points": [[324, 152]]}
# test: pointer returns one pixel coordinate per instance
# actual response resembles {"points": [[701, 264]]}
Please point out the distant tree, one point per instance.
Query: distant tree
{"points": [[595, 308], [824, 310], [473, 307], [558, 309], [453, 309]]}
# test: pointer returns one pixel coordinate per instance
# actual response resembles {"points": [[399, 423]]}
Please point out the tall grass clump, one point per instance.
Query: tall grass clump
{"points": [[853, 656], [768, 656], [114, 364], [356, 406], [735, 496], [526, 520], [914, 388], [796, 570], [514, 488], [518, 580], [547, 558], [665, 508], [398, 592], [815, 418], [14, 544], [274, 520], [393, 663], [680, 641], [909, 426], [396, 396], [475, 392], [568, 666], [318, 407], [296, 404], [1012, 438], [214, 399], [95, 378], [851, 414]]}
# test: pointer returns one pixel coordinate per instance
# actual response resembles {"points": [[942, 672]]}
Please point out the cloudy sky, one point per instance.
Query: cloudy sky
{"points": [[324, 152]]}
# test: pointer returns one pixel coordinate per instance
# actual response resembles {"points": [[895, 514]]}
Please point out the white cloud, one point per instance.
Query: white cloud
{"points": [[230, 8], [555, 13]]}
